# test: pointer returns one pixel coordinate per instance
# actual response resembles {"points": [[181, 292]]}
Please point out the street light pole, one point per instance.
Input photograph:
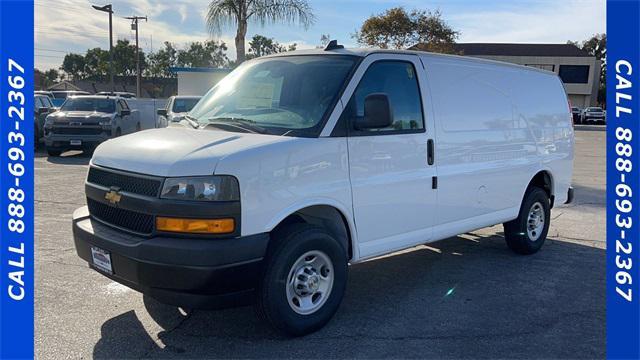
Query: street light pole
{"points": [[134, 26], [109, 9]]}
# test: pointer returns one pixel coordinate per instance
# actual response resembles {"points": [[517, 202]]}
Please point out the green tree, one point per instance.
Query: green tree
{"points": [[161, 60], [73, 65], [208, 54], [124, 58], [261, 45], [238, 13], [97, 63], [597, 46], [396, 28], [47, 78], [51, 76]]}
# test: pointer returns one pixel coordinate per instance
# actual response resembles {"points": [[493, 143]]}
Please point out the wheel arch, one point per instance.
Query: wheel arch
{"points": [[544, 180], [329, 216]]}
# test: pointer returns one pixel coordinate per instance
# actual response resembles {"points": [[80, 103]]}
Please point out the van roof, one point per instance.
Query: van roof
{"points": [[363, 52]]}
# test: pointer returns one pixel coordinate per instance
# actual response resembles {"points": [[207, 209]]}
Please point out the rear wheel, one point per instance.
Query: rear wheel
{"points": [[304, 281], [526, 234]]}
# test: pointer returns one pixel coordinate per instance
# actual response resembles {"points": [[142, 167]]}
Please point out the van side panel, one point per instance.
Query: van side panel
{"points": [[288, 176], [496, 127], [548, 116]]}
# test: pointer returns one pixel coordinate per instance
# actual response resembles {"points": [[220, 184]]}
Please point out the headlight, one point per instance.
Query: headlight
{"points": [[105, 120], [202, 188]]}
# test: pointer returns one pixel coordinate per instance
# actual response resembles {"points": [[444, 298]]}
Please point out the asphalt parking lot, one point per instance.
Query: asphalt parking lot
{"points": [[464, 297]]}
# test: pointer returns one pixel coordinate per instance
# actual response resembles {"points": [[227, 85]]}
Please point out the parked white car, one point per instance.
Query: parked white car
{"points": [[175, 109], [298, 164]]}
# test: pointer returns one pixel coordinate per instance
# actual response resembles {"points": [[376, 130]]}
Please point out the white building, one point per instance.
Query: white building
{"points": [[579, 71], [197, 80]]}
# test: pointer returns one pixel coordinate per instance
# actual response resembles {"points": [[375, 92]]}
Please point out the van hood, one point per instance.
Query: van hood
{"points": [[176, 151]]}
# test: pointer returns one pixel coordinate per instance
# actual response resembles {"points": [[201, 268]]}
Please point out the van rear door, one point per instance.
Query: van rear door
{"points": [[391, 177]]}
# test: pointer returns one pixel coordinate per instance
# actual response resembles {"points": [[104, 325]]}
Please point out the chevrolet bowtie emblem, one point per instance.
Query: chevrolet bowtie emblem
{"points": [[113, 196]]}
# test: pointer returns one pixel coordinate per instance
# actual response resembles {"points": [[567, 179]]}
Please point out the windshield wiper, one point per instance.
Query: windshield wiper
{"points": [[192, 121], [245, 124]]}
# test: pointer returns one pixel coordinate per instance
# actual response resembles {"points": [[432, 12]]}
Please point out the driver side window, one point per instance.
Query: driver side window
{"points": [[398, 80]]}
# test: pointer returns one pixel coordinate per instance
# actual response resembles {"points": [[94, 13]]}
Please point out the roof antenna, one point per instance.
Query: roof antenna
{"points": [[333, 45]]}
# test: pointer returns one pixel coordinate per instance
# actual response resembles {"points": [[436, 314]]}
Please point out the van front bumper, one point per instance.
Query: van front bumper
{"points": [[196, 273]]}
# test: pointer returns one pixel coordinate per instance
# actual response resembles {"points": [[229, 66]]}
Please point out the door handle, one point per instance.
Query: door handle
{"points": [[430, 150]]}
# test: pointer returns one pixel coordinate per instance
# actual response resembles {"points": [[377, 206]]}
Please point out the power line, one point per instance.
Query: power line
{"points": [[53, 50], [49, 56], [67, 31], [72, 35]]}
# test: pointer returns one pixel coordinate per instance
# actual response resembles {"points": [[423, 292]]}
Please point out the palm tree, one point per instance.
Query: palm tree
{"points": [[238, 12]]}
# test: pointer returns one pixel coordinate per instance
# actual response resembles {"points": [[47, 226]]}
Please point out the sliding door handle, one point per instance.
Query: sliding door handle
{"points": [[430, 152]]}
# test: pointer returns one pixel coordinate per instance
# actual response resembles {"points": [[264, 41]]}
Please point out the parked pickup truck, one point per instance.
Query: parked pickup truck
{"points": [[176, 109], [83, 122], [297, 164], [593, 115]]}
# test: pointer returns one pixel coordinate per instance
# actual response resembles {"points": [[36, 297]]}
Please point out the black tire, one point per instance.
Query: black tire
{"points": [[138, 128], [289, 246], [54, 152], [516, 232], [36, 138], [118, 132]]}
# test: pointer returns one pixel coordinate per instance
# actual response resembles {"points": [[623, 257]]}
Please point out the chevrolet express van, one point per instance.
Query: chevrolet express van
{"points": [[298, 164]]}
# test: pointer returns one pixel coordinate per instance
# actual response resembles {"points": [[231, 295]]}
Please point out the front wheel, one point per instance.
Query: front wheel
{"points": [[526, 234], [304, 281], [54, 152]]}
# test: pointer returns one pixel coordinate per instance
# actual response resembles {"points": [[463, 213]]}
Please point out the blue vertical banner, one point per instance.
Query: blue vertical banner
{"points": [[623, 179], [16, 179]]}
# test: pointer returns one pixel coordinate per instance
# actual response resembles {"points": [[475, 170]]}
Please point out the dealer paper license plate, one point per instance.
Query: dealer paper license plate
{"points": [[101, 259]]}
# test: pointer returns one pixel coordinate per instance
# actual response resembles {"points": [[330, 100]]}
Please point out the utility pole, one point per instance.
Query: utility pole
{"points": [[109, 9], [134, 26]]}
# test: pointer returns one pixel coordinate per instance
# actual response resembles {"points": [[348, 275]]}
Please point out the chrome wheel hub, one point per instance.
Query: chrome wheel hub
{"points": [[309, 282], [535, 221]]}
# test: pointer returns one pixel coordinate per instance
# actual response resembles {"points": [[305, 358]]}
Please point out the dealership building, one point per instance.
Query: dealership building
{"points": [[579, 71]]}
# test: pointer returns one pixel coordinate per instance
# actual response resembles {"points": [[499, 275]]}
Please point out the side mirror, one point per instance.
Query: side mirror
{"points": [[162, 112], [125, 112], [377, 113]]}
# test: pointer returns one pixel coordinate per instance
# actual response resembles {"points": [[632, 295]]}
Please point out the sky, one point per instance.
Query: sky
{"points": [[63, 26]]}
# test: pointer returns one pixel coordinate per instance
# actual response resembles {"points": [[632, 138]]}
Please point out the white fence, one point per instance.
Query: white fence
{"points": [[147, 109]]}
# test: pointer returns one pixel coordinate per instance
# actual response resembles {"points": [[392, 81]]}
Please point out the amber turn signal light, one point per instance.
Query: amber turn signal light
{"points": [[195, 226]]}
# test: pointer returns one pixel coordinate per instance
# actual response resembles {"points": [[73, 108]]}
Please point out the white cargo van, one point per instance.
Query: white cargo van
{"points": [[297, 164]]}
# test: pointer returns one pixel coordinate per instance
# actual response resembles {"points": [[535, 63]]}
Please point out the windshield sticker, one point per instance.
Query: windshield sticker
{"points": [[259, 95]]}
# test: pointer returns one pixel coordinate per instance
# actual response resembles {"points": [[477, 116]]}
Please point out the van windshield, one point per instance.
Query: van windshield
{"points": [[280, 95]]}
